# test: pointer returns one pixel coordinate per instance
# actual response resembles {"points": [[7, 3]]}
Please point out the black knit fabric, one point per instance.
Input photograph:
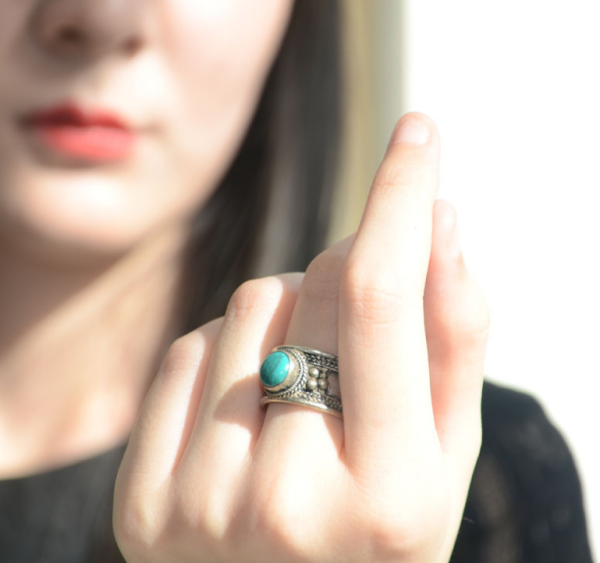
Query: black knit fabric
{"points": [[63, 516], [525, 503]]}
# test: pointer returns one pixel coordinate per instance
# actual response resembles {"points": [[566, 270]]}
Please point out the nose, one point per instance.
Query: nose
{"points": [[84, 28]]}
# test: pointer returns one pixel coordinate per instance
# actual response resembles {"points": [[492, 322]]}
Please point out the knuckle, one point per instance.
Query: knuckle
{"points": [[404, 511], [401, 527], [199, 516], [254, 296], [377, 298], [135, 526], [184, 354], [396, 540], [206, 516], [393, 174], [322, 277], [402, 175], [273, 514], [467, 323]]}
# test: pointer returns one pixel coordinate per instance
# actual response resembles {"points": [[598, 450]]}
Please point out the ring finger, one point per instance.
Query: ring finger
{"points": [[314, 325]]}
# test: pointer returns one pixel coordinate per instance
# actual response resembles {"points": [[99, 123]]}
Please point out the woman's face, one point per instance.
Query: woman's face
{"points": [[118, 117]]}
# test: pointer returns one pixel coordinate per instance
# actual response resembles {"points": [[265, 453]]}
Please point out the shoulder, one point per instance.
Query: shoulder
{"points": [[525, 501]]}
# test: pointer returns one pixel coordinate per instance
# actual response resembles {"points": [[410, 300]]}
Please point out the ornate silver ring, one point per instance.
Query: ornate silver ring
{"points": [[301, 376]]}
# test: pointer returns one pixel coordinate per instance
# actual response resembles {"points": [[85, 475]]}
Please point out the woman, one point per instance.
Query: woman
{"points": [[154, 155]]}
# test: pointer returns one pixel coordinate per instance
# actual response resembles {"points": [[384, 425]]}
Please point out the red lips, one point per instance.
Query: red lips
{"points": [[84, 134]]}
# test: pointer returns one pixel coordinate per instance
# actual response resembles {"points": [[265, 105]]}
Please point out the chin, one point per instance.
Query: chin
{"points": [[74, 219]]}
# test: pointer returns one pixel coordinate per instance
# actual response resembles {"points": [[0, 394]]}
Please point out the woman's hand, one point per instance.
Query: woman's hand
{"points": [[208, 476]]}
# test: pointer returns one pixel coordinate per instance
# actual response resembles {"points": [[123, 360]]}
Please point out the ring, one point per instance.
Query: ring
{"points": [[302, 376]]}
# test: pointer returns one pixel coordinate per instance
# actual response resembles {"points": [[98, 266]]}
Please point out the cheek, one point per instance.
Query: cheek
{"points": [[216, 56], [13, 15], [221, 52], [224, 32]]}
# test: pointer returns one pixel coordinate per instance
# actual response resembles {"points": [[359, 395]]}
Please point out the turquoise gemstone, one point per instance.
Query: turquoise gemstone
{"points": [[274, 369]]}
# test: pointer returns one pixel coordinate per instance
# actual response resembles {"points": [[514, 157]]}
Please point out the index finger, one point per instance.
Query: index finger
{"points": [[383, 363]]}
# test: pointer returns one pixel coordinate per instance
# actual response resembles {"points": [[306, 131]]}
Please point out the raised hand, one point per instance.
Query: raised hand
{"points": [[208, 476]]}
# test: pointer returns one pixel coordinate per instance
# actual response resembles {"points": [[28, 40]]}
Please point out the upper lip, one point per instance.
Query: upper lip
{"points": [[75, 115]]}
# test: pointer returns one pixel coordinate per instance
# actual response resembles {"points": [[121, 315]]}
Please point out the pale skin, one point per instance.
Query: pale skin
{"points": [[89, 255], [207, 472], [208, 475]]}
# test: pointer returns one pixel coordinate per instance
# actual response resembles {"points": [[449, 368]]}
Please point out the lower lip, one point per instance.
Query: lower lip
{"points": [[92, 143]]}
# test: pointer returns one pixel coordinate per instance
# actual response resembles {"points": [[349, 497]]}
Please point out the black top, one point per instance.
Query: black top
{"points": [[524, 506], [525, 503]]}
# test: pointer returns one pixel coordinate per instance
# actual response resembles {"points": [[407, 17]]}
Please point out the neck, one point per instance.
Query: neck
{"points": [[78, 349]]}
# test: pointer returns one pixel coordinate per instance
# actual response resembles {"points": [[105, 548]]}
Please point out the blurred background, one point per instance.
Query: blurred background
{"points": [[514, 89]]}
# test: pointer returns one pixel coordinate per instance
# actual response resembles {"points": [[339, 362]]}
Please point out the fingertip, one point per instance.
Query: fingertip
{"points": [[454, 304], [414, 128]]}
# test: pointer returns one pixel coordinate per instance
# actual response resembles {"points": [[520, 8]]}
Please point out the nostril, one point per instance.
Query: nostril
{"points": [[132, 46], [69, 35], [87, 28]]}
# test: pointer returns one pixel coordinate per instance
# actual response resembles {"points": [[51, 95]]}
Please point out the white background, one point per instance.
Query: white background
{"points": [[514, 87]]}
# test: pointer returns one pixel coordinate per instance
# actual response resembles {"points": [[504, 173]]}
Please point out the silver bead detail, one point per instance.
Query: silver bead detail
{"points": [[313, 372], [323, 384], [311, 383]]}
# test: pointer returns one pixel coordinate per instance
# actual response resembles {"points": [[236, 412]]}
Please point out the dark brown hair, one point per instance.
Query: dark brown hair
{"points": [[271, 211]]}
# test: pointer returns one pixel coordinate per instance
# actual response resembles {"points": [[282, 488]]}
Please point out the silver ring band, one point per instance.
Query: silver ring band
{"points": [[309, 378]]}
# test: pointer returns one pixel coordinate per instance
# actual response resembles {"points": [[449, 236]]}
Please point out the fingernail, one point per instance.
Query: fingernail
{"points": [[410, 131]]}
